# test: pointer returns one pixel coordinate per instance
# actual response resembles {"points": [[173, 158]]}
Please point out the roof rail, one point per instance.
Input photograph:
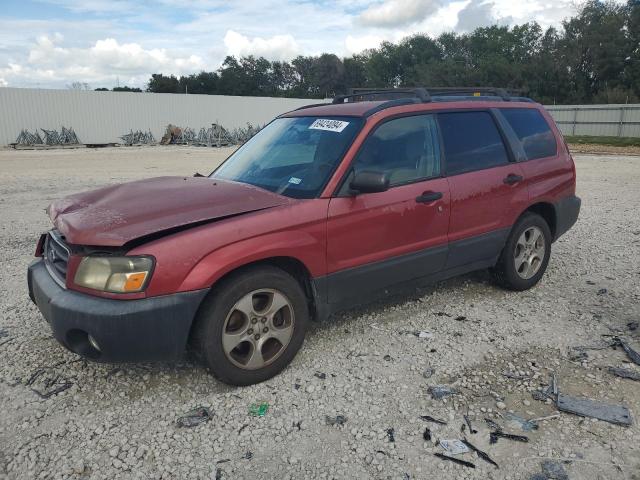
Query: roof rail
{"points": [[311, 106], [390, 93], [427, 94]]}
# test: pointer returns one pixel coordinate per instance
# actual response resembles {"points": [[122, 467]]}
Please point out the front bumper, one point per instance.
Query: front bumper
{"points": [[149, 329], [567, 211]]}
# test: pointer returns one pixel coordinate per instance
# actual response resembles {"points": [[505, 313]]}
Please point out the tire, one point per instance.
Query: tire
{"points": [[511, 271], [263, 310]]}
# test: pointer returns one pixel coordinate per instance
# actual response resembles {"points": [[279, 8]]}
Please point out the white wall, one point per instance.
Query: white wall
{"points": [[606, 120], [102, 117]]}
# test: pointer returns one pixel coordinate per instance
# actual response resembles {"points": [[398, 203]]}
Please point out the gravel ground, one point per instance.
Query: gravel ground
{"points": [[365, 365]]}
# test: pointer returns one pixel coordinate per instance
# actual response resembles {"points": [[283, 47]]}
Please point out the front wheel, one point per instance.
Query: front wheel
{"points": [[252, 325], [526, 254]]}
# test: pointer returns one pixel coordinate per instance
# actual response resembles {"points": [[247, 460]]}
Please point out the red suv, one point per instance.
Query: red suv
{"points": [[328, 206]]}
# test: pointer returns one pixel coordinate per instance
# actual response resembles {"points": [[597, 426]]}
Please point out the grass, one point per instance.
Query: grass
{"points": [[594, 140]]}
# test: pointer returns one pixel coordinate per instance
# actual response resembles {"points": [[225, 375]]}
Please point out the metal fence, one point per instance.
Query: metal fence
{"points": [[599, 120], [104, 117]]}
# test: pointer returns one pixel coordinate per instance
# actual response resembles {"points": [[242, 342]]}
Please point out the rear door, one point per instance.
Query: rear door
{"points": [[488, 189], [375, 240]]}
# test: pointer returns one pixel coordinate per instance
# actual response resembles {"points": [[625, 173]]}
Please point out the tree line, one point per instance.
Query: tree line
{"points": [[593, 58]]}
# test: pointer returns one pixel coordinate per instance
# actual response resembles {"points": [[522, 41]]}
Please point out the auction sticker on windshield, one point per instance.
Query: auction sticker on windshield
{"points": [[329, 125]]}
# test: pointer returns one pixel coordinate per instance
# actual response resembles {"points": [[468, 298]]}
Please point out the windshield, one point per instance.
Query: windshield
{"points": [[292, 156]]}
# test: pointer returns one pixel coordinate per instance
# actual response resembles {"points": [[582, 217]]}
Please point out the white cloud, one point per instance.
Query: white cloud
{"points": [[358, 44], [475, 14], [104, 61], [397, 13], [3, 82], [278, 47]]}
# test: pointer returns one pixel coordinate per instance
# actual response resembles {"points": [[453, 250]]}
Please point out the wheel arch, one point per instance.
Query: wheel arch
{"points": [[548, 212]]}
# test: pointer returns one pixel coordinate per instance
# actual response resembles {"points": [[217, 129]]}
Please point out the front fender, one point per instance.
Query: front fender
{"points": [[303, 246]]}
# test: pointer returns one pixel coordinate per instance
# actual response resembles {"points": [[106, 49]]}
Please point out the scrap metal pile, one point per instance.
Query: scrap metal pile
{"points": [[138, 138], [66, 136], [214, 136]]}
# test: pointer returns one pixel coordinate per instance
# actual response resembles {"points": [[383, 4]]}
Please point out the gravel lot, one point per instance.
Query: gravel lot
{"points": [[366, 365]]}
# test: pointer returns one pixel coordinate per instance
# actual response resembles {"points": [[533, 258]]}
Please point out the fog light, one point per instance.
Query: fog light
{"points": [[93, 342]]}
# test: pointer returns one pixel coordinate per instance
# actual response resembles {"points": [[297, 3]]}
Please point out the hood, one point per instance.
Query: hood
{"points": [[115, 215]]}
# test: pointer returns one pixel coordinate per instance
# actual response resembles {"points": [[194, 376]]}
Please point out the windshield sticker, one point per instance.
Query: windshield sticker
{"points": [[295, 181], [329, 125]]}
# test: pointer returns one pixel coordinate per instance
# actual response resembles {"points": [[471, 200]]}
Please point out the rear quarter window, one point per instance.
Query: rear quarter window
{"points": [[471, 142], [533, 131]]}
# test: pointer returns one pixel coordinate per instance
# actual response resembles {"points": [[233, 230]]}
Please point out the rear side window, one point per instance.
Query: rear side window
{"points": [[471, 142], [533, 131], [406, 148]]}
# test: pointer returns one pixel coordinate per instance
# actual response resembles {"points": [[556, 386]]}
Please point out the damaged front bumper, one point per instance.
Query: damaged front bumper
{"points": [[108, 330]]}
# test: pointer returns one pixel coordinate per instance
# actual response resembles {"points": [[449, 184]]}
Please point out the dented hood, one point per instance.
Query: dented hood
{"points": [[115, 215]]}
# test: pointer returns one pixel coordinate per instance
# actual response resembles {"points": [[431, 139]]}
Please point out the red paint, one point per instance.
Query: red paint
{"points": [[326, 234]]}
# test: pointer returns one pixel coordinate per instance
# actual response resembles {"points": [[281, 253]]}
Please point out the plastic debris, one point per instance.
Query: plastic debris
{"points": [[554, 470], [468, 422], [625, 373], [194, 417], [258, 409], [455, 460], [526, 425], [631, 353], [491, 424], [428, 335], [337, 420], [438, 392], [429, 418], [427, 434], [391, 435], [454, 447], [483, 455], [585, 407], [493, 437]]}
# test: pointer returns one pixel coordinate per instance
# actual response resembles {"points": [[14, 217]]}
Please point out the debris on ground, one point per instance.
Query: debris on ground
{"points": [[625, 373], [526, 425], [631, 353], [585, 407], [455, 460], [493, 437], [59, 389], [427, 434], [454, 447], [468, 422], [491, 424], [258, 409], [194, 417], [391, 435], [633, 326], [483, 455], [438, 392], [429, 418], [337, 420], [320, 375]]}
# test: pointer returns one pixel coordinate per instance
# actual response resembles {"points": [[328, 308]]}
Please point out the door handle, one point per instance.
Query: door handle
{"points": [[512, 179], [428, 197]]}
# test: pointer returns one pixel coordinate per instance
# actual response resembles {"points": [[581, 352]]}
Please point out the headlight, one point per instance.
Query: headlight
{"points": [[114, 274]]}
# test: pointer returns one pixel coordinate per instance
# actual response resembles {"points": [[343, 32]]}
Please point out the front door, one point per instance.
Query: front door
{"points": [[375, 240], [488, 189]]}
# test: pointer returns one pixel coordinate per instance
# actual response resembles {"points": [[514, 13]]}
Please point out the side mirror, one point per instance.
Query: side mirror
{"points": [[369, 182]]}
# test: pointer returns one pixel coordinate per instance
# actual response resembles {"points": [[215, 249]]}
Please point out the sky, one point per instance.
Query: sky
{"points": [[54, 43]]}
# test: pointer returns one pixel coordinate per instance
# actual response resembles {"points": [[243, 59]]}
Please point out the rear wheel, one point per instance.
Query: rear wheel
{"points": [[525, 256], [252, 325]]}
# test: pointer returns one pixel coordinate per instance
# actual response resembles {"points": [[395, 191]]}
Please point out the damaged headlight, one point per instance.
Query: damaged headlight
{"points": [[114, 274]]}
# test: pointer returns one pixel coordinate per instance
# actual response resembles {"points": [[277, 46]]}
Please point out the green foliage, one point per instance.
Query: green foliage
{"points": [[594, 58], [599, 140]]}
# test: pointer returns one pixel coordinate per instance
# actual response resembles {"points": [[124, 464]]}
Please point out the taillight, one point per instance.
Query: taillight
{"points": [[40, 245]]}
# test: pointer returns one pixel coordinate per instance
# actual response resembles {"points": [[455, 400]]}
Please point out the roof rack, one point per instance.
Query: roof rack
{"points": [[367, 94], [429, 94]]}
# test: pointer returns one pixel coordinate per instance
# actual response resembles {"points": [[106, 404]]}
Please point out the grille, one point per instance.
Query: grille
{"points": [[56, 256]]}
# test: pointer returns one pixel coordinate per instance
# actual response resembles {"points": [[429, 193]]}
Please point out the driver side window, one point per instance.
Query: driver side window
{"points": [[406, 148]]}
